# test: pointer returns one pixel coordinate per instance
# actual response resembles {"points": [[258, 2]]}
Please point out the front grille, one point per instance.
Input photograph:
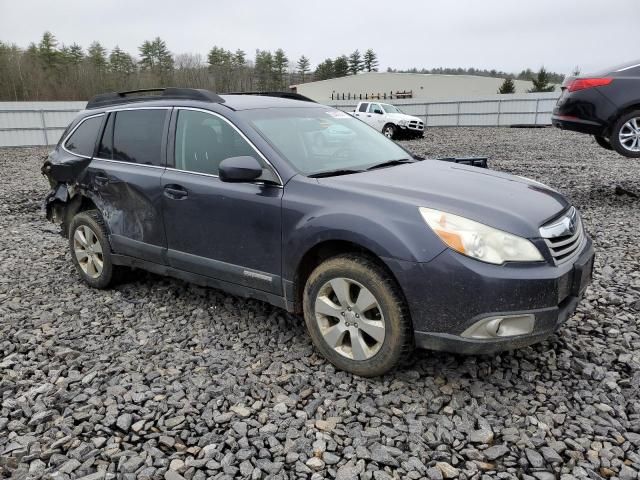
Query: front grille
{"points": [[564, 236], [415, 125]]}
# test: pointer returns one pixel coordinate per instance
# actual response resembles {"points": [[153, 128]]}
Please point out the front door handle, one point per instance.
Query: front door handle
{"points": [[175, 192]]}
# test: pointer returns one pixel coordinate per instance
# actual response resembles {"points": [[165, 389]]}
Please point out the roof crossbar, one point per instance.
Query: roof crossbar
{"points": [[169, 93]]}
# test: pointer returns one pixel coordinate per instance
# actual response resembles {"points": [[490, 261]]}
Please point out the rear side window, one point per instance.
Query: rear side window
{"points": [[134, 136], [204, 140], [363, 107], [83, 140]]}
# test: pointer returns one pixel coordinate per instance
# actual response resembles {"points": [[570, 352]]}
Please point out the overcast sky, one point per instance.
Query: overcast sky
{"points": [[506, 35]]}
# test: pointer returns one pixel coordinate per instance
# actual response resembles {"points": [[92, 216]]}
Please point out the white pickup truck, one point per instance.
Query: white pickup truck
{"points": [[389, 120]]}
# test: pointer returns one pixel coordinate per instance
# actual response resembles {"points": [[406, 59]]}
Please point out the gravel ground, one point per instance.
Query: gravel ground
{"points": [[161, 379]]}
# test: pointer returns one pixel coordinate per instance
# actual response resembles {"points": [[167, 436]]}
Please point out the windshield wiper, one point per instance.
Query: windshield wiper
{"points": [[391, 163], [334, 173]]}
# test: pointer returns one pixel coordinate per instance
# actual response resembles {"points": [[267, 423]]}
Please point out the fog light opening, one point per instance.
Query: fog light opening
{"points": [[500, 327]]}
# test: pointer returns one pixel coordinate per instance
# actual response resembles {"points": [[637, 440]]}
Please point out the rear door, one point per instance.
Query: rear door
{"points": [[126, 176], [228, 231], [361, 112]]}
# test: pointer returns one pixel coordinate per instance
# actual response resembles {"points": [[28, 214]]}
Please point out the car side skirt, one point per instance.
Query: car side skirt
{"points": [[202, 280]]}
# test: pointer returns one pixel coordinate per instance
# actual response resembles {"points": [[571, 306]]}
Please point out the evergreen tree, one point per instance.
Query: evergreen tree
{"points": [[76, 54], [97, 55], [341, 66], [303, 66], [541, 82], [507, 86], [324, 70], [263, 69], [121, 62], [155, 56], [239, 58], [370, 61], [355, 63], [219, 57], [47, 51], [280, 64]]}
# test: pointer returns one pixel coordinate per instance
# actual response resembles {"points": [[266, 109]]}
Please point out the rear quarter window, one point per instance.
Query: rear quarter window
{"points": [[83, 139]]}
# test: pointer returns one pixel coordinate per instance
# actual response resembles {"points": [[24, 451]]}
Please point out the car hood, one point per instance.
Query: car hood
{"points": [[507, 202], [403, 116]]}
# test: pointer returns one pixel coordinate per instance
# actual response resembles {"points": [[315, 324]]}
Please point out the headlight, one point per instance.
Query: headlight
{"points": [[403, 123], [479, 241]]}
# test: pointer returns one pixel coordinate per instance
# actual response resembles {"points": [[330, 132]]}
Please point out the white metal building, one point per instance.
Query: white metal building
{"points": [[420, 85]]}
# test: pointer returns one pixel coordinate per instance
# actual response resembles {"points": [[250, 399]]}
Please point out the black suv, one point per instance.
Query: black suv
{"points": [[309, 209]]}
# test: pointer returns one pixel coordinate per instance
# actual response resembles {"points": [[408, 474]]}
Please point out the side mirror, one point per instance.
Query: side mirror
{"points": [[379, 112], [239, 169]]}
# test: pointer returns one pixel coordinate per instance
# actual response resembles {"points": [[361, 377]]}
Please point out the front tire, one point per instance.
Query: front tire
{"points": [[356, 316], [389, 131], [625, 135], [91, 251], [603, 142]]}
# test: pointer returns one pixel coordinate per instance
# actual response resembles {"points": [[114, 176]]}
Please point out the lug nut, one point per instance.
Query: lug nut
{"points": [[342, 313], [357, 315]]}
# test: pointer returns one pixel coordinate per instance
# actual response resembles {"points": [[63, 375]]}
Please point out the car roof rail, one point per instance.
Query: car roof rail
{"points": [[146, 94], [289, 95]]}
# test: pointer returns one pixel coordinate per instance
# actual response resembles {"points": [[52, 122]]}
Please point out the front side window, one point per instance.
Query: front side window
{"points": [[390, 108], [375, 108], [204, 140], [134, 136], [316, 140], [83, 140]]}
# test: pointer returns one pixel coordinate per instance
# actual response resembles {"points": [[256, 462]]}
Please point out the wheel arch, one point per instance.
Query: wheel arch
{"points": [[619, 114], [321, 252], [65, 211]]}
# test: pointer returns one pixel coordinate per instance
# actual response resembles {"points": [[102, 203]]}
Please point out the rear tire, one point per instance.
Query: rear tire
{"points": [[625, 135], [356, 316], [91, 251], [603, 142], [389, 131]]}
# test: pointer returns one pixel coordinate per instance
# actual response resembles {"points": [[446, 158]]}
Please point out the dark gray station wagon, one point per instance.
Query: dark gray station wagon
{"points": [[311, 210]]}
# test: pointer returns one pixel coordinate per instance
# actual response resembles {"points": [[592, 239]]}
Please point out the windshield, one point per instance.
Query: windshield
{"points": [[390, 108], [316, 140]]}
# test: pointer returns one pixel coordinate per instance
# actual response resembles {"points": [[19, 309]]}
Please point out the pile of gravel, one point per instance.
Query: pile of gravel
{"points": [[161, 379]]}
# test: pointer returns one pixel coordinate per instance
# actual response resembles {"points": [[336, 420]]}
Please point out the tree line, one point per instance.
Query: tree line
{"points": [[527, 74], [49, 71]]}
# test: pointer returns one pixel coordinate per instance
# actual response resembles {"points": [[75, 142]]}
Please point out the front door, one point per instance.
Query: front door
{"points": [[228, 231], [376, 119]]}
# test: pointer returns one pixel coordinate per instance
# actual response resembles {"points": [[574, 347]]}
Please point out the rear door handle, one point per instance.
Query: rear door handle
{"points": [[175, 192], [101, 179]]}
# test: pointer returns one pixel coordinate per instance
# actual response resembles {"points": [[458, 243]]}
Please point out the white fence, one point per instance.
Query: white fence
{"points": [[489, 111], [42, 123], [35, 123]]}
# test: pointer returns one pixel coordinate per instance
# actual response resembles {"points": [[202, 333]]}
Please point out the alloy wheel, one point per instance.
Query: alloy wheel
{"points": [[629, 135], [388, 132], [88, 251], [350, 319]]}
